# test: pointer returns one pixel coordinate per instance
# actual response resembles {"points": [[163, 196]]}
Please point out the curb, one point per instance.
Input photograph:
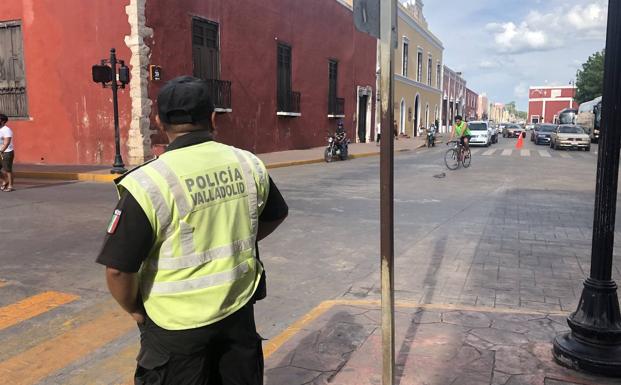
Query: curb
{"points": [[321, 160], [107, 178], [72, 176]]}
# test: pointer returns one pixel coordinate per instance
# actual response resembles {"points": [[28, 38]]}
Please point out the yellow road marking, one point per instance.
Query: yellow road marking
{"points": [[32, 306], [118, 369], [33, 365], [274, 344]]}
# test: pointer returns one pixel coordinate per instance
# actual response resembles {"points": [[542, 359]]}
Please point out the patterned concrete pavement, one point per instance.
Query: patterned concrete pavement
{"points": [[435, 345]]}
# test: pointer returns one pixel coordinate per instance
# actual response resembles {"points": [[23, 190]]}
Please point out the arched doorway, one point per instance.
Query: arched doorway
{"points": [[436, 119], [402, 116], [427, 116], [416, 115]]}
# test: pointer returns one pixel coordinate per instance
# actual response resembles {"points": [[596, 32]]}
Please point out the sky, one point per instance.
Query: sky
{"points": [[505, 46]]}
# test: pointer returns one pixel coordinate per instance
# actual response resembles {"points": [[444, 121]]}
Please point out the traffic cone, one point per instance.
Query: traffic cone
{"points": [[520, 142]]}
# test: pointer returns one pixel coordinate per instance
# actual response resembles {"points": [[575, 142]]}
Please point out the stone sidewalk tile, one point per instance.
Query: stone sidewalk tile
{"points": [[434, 346]]}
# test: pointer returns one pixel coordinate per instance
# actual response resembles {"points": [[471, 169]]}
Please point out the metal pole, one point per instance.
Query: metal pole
{"points": [[594, 343], [118, 167], [388, 19]]}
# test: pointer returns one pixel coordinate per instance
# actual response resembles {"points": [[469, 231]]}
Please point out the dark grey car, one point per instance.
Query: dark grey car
{"points": [[542, 133]]}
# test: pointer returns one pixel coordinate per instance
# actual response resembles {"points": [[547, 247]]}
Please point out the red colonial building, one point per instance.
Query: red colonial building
{"points": [[545, 102], [470, 107], [454, 97], [282, 73]]}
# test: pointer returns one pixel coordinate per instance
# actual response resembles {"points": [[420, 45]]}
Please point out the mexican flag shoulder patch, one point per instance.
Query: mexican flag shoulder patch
{"points": [[114, 221]]}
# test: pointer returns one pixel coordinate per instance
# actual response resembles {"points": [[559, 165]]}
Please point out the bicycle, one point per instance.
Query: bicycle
{"points": [[456, 155]]}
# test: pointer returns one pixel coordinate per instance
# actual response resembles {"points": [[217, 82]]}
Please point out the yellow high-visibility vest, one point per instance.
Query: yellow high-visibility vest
{"points": [[203, 203]]}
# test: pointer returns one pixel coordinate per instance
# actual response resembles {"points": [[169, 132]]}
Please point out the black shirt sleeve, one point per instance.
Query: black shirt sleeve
{"points": [[275, 208], [128, 244]]}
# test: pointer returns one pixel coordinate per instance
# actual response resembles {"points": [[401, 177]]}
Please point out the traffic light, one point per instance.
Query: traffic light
{"points": [[102, 73]]}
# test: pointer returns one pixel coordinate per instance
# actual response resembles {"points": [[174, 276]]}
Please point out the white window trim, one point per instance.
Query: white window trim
{"points": [[430, 70], [290, 114], [420, 66]]}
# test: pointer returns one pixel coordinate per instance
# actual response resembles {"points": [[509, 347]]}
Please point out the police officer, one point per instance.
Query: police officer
{"points": [[181, 250]]}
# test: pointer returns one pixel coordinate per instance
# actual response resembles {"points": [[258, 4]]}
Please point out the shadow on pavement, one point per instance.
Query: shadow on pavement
{"points": [[319, 356]]}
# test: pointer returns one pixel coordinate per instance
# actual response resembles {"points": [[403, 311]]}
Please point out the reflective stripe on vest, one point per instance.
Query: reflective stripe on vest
{"points": [[203, 203], [162, 211], [200, 283], [252, 190]]}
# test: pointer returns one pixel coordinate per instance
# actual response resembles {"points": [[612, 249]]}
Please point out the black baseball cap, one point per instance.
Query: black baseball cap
{"points": [[185, 99]]}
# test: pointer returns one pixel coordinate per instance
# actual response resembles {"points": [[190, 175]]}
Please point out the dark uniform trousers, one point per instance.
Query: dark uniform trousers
{"points": [[227, 352]]}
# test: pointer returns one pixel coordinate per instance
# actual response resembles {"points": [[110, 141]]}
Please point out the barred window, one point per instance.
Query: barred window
{"points": [[13, 101]]}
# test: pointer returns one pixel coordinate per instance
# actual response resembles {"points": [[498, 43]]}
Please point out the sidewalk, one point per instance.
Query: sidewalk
{"points": [[340, 343], [272, 160]]}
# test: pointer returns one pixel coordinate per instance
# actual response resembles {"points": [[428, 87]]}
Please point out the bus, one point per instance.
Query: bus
{"points": [[566, 116], [590, 116]]}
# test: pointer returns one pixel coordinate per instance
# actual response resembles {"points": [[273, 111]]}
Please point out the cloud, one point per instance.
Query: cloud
{"points": [[547, 31], [512, 38], [488, 64], [521, 90], [591, 17]]}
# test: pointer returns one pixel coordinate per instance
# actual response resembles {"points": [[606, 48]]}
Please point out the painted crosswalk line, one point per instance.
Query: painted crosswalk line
{"points": [[525, 153], [544, 154], [564, 155], [39, 362], [507, 152], [117, 369], [32, 306], [488, 152]]}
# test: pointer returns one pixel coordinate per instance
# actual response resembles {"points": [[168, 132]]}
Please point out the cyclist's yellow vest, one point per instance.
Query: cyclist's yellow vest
{"points": [[203, 203], [459, 129]]}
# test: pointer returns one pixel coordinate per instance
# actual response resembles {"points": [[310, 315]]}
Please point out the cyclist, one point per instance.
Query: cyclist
{"points": [[461, 130]]}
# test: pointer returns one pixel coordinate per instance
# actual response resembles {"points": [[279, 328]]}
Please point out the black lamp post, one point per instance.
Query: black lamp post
{"points": [[106, 74], [594, 343]]}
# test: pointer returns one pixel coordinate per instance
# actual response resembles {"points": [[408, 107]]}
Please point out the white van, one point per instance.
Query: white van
{"points": [[481, 133]]}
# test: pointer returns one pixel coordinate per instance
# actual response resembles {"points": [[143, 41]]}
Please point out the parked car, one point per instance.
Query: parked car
{"points": [[570, 136], [481, 133], [512, 131], [530, 127], [542, 133], [501, 127]]}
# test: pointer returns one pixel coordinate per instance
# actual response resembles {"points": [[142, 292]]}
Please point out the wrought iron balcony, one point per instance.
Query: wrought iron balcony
{"points": [[220, 94], [336, 108], [289, 104]]}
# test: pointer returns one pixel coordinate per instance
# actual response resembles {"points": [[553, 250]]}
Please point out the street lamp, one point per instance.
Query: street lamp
{"points": [[106, 74], [594, 343], [573, 92]]}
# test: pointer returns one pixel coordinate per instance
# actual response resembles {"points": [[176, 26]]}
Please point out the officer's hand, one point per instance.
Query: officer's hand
{"points": [[139, 317]]}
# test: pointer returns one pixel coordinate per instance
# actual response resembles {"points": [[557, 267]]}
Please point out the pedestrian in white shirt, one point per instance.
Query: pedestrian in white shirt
{"points": [[7, 154]]}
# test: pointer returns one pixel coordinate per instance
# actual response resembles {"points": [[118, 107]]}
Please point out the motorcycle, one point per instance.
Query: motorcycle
{"points": [[338, 146], [431, 138]]}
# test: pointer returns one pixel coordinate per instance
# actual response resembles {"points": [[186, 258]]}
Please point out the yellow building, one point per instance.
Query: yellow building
{"points": [[418, 71]]}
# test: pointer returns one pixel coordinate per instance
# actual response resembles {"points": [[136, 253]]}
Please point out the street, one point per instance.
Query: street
{"points": [[512, 231]]}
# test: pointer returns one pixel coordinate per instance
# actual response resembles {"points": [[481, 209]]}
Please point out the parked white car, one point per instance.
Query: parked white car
{"points": [[482, 133]]}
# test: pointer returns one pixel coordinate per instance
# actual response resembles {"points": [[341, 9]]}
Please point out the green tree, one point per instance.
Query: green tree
{"points": [[590, 79], [511, 107]]}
